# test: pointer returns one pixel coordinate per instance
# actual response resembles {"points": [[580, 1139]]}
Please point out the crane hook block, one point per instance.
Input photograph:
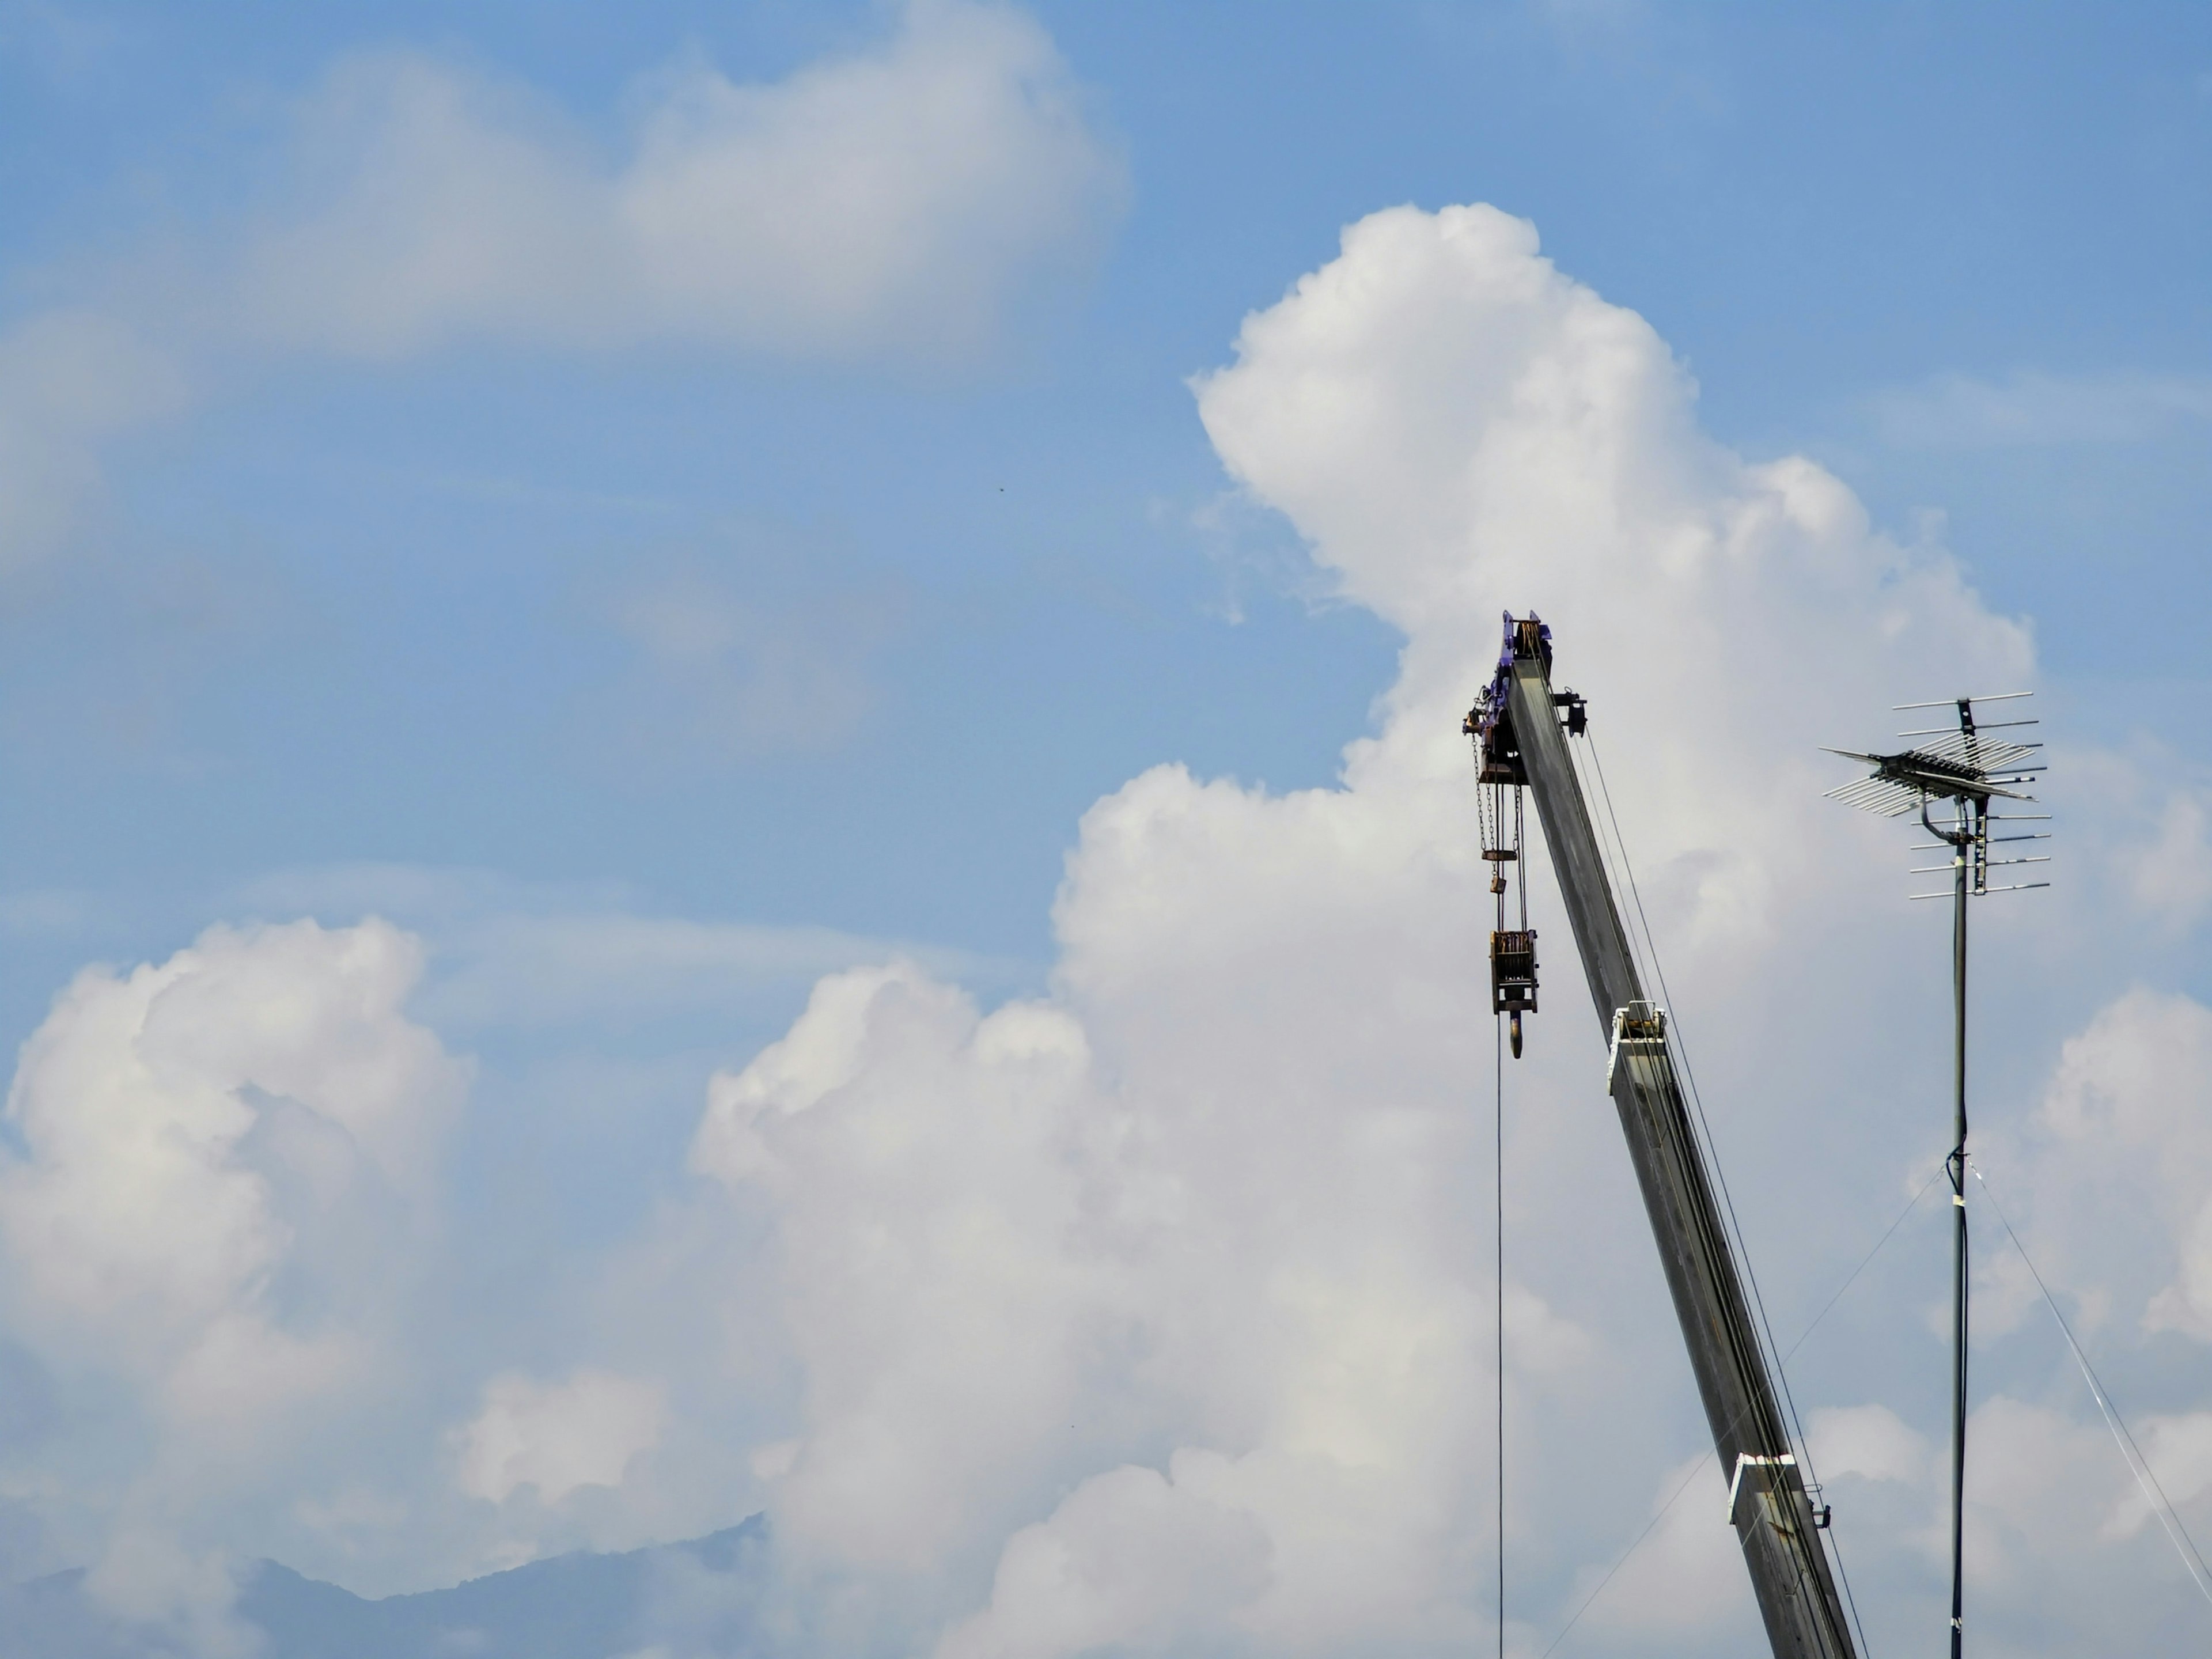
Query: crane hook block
{"points": [[1513, 977]]}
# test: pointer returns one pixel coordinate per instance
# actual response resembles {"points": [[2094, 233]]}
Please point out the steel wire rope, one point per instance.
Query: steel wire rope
{"points": [[1665, 1509], [1647, 962], [1704, 1128], [1712, 1151], [2146, 1478], [1490, 819], [1614, 860], [1498, 1025]]}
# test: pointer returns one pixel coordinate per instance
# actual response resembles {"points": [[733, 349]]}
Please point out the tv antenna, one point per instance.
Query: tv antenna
{"points": [[1970, 770]]}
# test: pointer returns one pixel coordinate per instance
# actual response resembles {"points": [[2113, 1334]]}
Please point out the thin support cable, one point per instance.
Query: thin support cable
{"points": [[1689, 1073], [1836, 1548], [1611, 856], [1704, 1127], [1498, 1023], [1650, 1525], [2147, 1480]]}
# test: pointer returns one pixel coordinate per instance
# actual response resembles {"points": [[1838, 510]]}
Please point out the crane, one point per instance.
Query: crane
{"points": [[1521, 729]]}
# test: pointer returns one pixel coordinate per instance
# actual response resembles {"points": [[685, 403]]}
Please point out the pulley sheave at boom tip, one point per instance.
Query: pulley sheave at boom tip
{"points": [[1521, 728]]}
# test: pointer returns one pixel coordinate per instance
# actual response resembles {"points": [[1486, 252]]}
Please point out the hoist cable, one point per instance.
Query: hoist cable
{"points": [[1497, 1024]]}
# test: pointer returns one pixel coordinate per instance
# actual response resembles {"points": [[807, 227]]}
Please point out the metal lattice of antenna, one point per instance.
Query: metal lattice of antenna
{"points": [[1967, 768]]}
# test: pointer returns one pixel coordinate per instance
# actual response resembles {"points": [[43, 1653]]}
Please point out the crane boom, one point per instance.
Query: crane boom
{"points": [[1774, 1519]]}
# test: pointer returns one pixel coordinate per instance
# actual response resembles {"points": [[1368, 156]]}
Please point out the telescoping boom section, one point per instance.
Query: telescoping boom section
{"points": [[1523, 729]]}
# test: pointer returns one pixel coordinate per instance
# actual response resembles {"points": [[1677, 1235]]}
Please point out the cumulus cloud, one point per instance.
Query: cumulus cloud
{"points": [[1686, 1574], [1872, 1443], [223, 1178], [185, 1125], [2125, 1118], [1133, 1559], [962, 1159], [557, 1437], [2171, 877]]}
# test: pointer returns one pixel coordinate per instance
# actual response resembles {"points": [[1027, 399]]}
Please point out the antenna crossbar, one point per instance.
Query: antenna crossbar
{"points": [[1953, 702]]}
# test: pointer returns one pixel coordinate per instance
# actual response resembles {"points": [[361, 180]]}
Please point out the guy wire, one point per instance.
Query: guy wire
{"points": [[2147, 1480]]}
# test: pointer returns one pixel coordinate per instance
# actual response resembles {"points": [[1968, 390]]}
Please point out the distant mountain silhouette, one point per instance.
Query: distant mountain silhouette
{"points": [[583, 1606]]}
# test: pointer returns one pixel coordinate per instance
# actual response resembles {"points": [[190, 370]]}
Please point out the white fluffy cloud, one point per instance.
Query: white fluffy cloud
{"points": [[2121, 1149], [557, 1437], [188, 1128], [913, 1447], [2171, 877], [225, 1182]]}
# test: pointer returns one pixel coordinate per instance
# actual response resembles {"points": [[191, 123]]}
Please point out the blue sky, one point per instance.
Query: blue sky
{"points": [[648, 661]]}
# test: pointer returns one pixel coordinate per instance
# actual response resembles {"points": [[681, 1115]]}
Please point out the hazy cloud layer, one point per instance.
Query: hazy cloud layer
{"points": [[68, 380], [889, 200], [2034, 409], [729, 676], [523, 954]]}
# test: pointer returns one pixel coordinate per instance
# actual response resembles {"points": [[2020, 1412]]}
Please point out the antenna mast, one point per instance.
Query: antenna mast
{"points": [[1969, 770]]}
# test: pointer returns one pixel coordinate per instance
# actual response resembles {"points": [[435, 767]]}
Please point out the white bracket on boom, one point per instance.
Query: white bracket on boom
{"points": [[1640, 1025], [1748, 1460]]}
